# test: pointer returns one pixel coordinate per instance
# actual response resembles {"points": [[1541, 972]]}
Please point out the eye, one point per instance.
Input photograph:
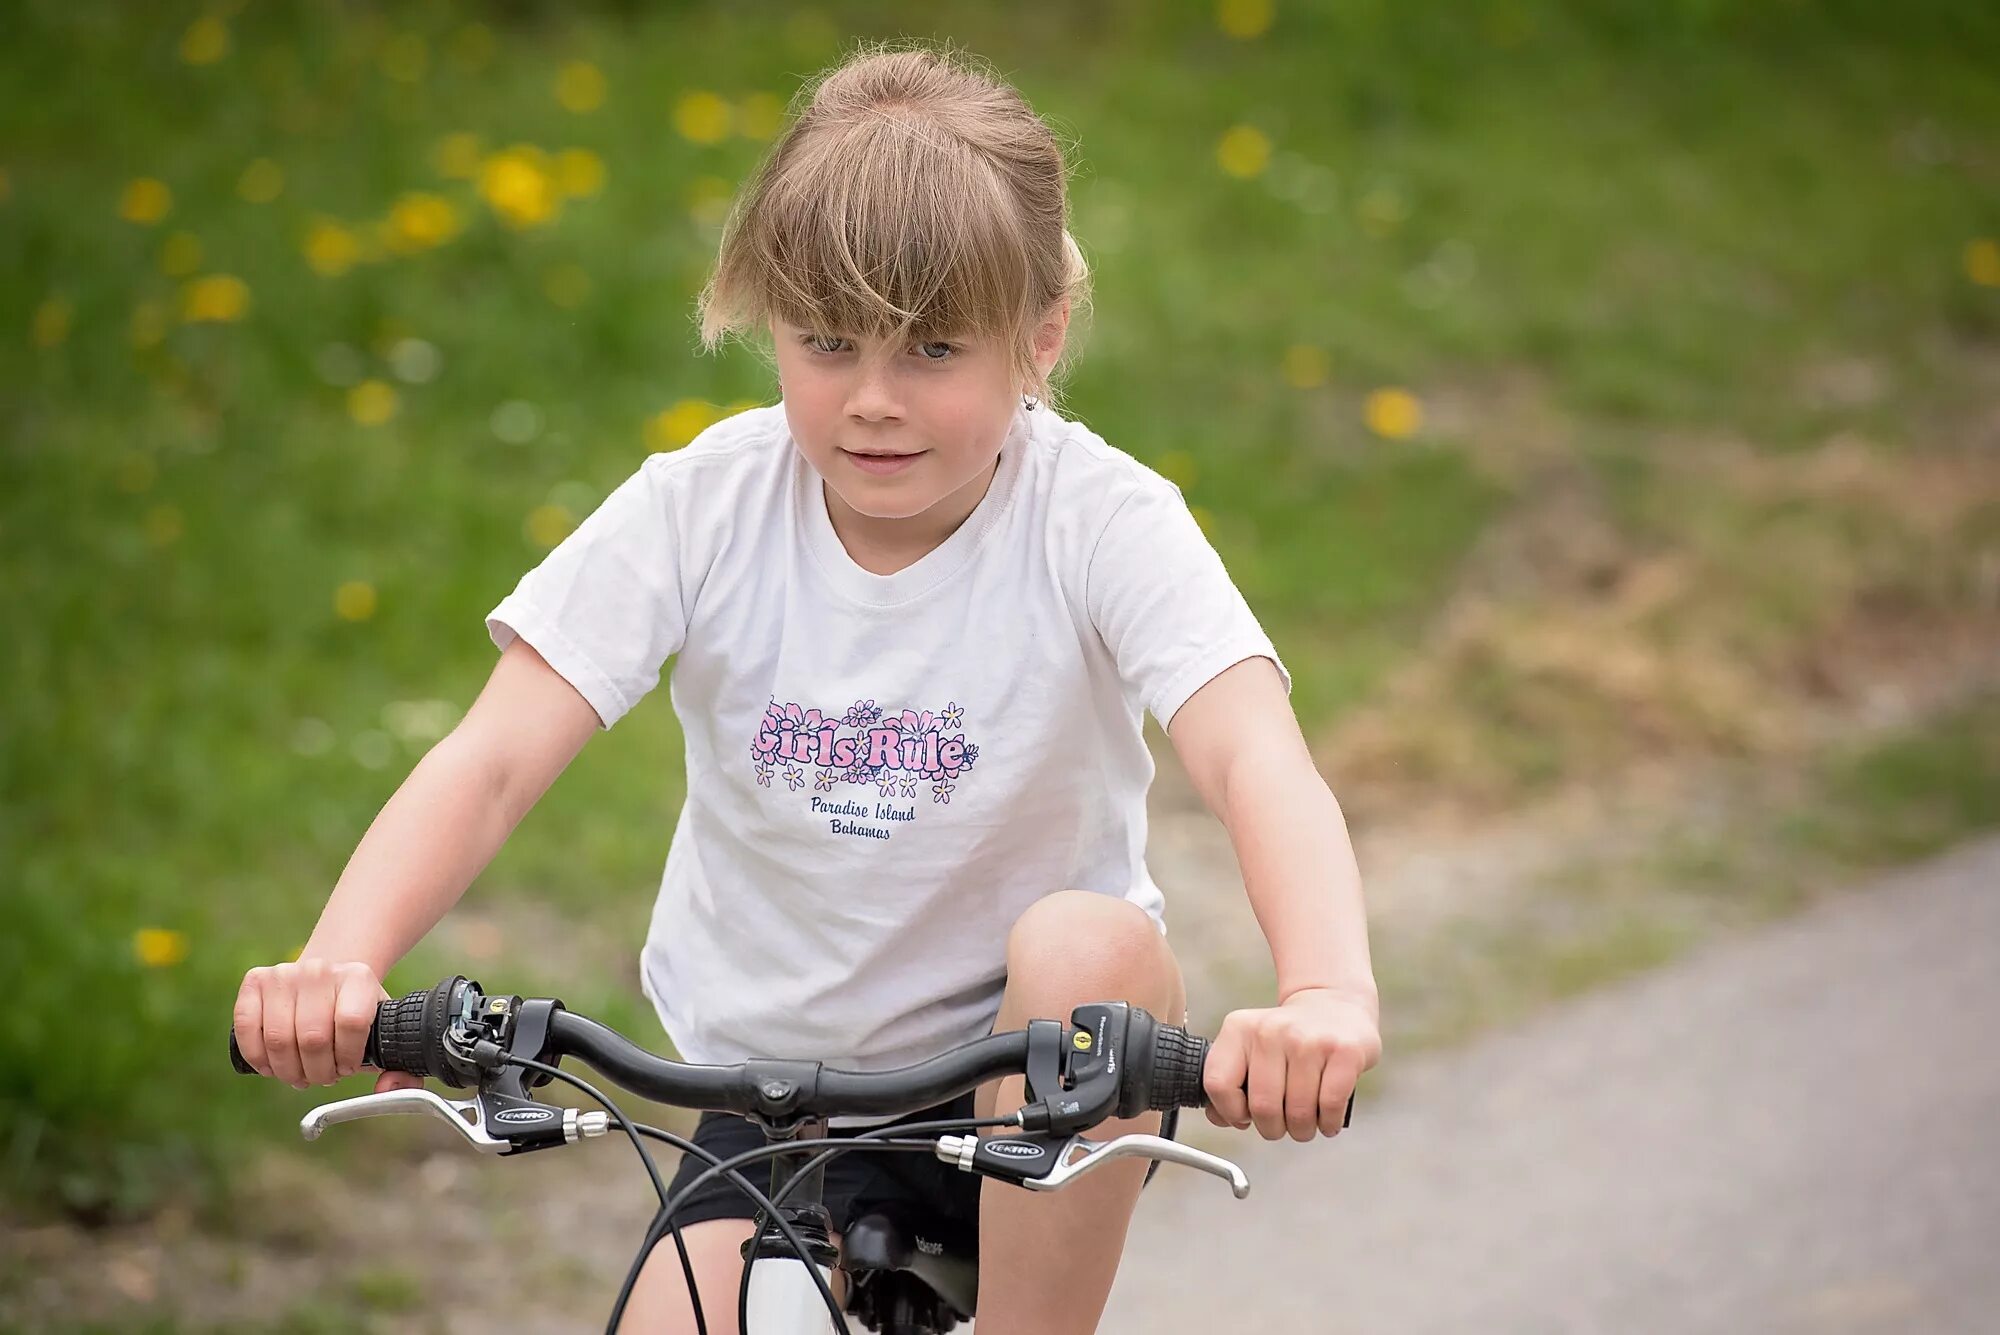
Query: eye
{"points": [[815, 343]]}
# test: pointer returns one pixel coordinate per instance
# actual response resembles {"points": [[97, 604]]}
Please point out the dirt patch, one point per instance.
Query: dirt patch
{"points": [[1729, 603]]}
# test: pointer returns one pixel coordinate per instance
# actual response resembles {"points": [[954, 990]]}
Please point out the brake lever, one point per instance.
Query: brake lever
{"points": [[467, 1117], [1067, 1170], [1035, 1162], [523, 1125]]}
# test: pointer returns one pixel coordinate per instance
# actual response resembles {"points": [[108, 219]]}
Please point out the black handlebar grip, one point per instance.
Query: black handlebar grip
{"points": [[1178, 1058], [236, 1057], [408, 1034]]}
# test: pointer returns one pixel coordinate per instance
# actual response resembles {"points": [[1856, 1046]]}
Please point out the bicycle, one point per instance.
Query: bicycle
{"points": [[1111, 1059]]}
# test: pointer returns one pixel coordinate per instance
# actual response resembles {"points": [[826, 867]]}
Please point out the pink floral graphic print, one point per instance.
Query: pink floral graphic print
{"points": [[865, 744], [896, 753]]}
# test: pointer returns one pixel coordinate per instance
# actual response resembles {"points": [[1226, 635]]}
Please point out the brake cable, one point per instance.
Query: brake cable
{"points": [[717, 1169], [876, 1135]]}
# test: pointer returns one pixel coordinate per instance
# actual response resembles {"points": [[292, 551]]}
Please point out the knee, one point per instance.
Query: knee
{"points": [[1075, 946]]}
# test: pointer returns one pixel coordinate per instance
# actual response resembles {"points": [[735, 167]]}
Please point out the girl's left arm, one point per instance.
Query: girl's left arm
{"points": [[1289, 1068]]}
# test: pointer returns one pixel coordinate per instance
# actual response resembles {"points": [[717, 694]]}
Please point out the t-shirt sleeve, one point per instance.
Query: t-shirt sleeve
{"points": [[1159, 595], [605, 606]]}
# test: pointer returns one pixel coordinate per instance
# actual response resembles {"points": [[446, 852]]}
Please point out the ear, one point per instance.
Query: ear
{"points": [[1050, 334]]}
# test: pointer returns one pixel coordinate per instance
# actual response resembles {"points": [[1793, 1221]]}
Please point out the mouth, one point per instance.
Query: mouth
{"points": [[882, 463]]}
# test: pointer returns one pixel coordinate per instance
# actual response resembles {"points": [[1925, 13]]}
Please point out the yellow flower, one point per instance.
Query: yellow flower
{"points": [[580, 87], [548, 525], [354, 600], [516, 184], [702, 117], [52, 321], [419, 221], [164, 525], [1244, 152], [145, 200], [676, 426], [1179, 468], [149, 325], [330, 248], [206, 41], [218, 297], [159, 947], [1393, 413], [457, 156], [1243, 18], [1982, 261], [472, 46], [372, 402], [567, 285], [262, 181], [579, 172], [180, 255], [405, 56], [761, 116], [1305, 366]]}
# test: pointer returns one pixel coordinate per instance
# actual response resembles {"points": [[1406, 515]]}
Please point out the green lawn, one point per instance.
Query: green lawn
{"points": [[275, 440]]}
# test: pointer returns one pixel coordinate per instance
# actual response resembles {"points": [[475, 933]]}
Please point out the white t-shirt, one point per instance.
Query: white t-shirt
{"points": [[883, 771]]}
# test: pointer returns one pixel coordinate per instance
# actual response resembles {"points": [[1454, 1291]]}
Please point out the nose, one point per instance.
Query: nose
{"points": [[872, 395]]}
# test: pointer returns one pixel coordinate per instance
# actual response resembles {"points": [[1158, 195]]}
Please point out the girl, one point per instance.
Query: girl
{"points": [[916, 616]]}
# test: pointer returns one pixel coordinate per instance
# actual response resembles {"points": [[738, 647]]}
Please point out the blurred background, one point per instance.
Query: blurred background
{"points": [[1599, 403]]}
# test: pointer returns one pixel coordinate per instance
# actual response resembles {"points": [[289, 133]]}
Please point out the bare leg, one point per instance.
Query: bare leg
{"points": [[1046, 1262]]}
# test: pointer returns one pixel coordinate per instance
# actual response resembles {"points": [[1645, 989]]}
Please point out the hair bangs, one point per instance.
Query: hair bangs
{"points": [[853, 245]]}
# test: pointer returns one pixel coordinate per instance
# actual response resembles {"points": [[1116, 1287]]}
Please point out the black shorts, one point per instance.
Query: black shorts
{"points": [[915, 1189]]}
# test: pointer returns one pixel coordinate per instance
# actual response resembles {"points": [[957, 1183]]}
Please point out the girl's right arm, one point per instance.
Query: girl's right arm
{"points": [[307, 1022]]}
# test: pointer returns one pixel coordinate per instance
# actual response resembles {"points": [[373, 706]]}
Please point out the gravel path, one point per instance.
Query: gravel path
{"points": [[1797, 1130]]}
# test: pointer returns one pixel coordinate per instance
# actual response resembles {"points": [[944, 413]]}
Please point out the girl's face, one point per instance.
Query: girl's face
{"points": [[896, 430]]}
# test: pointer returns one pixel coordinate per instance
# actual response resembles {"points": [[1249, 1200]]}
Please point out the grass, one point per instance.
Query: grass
{"points": [[242, 558]]}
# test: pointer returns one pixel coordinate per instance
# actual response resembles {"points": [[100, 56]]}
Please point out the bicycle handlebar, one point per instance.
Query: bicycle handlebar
{"points": [[1111, 1060]]}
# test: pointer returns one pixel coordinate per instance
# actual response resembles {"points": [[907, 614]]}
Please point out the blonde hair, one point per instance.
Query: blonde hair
{"points": [[914, 196]]}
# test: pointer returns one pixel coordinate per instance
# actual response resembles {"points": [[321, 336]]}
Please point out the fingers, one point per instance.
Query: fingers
{"points": [[249, 1021], [1267, 1087], [306, 1022], [1223, 1077], [281, 1043], [389, 1080], [1305, 1069], [1336, 1086], [355, 999], [314, 984]]}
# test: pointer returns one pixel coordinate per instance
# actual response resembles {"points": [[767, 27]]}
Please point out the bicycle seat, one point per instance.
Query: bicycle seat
{"points": [[907, 1280]]}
